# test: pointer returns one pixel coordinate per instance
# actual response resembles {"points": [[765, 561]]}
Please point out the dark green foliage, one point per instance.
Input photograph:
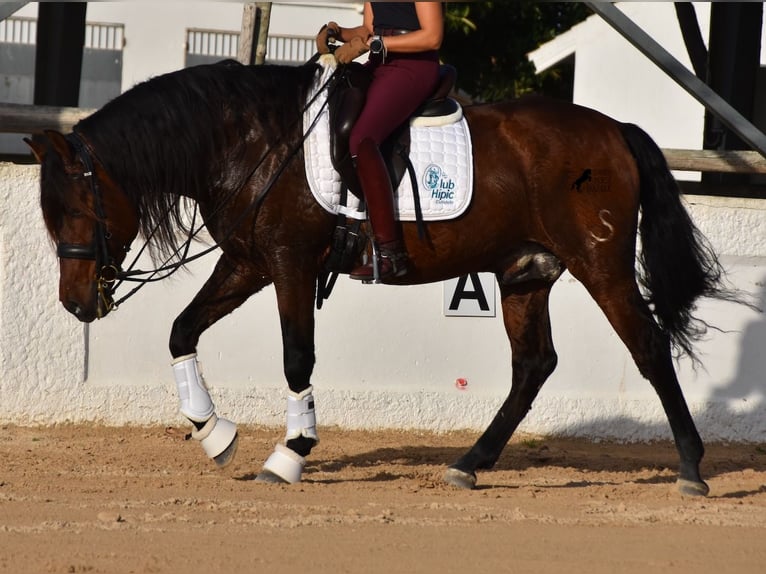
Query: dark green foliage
{"points": [[488, 42]]}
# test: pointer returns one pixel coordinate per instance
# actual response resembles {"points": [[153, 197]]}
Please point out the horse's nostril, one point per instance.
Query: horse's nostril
{"points": [[73, 308], [82, 313]]}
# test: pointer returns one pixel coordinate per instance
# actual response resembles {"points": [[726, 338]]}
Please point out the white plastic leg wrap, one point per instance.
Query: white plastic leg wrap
{"points": [[301, 417], [196, 404], [286, 464], [216, 436]]}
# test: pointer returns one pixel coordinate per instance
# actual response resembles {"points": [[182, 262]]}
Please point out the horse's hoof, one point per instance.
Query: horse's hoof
{"points": [[691, 488], [268, 477], [224, 459], [218, 439], [285, 464], [460, 479]]}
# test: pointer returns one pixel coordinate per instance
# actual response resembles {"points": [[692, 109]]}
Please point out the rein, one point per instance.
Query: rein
{"points": [[110, 276]]}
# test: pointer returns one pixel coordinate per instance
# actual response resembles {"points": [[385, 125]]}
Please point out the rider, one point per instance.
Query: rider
{"points": [[403, 39]]}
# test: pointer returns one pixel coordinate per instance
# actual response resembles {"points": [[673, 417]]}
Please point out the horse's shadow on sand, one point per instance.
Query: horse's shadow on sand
{"points": [[576, 455], [560, 453]]}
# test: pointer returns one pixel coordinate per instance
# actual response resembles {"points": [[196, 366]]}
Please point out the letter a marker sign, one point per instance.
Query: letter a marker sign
{"points": [[470, 296]]}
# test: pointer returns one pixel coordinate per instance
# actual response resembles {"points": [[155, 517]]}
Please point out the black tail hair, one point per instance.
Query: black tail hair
{"points": [[677, 264]]}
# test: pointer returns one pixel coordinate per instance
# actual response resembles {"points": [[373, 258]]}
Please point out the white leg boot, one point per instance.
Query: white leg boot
{"points": [[218, 437], [285, 465]]}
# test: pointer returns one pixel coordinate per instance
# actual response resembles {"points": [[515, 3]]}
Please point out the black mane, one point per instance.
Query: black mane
{"points": [[171, 135]]}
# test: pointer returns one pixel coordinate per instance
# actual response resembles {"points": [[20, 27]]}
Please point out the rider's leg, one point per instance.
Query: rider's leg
{"points": [[379, 196], [398, 87]]}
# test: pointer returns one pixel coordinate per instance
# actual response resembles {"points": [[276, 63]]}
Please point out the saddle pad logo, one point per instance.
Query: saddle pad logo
{"points": [[439, 184]]}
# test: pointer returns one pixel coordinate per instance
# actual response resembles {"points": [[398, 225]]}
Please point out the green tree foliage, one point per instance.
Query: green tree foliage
{"points": [[488, 43]]}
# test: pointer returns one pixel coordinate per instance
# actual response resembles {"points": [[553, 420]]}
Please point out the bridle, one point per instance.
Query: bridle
{"points": [[107, 267], [108, 270]]}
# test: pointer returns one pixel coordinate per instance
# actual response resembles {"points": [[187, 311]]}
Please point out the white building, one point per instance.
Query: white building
{"points": [[614, 77]]}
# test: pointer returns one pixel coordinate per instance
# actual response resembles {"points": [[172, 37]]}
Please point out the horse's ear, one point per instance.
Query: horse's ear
{"points": [[61, 146], [38, 148], [56, 141]]}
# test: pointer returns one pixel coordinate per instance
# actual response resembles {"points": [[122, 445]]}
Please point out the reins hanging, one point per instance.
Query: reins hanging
{"points": [[143, 277]]}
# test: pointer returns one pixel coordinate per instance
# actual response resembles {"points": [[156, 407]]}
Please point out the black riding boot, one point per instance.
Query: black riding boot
{"points": [[379, 196]]}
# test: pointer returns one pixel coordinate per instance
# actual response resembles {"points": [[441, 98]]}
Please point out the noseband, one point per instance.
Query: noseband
{"points": [[107, 269]]}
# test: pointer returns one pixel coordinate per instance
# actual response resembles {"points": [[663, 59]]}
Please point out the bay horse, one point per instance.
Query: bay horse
{"points": [[557, 186]]}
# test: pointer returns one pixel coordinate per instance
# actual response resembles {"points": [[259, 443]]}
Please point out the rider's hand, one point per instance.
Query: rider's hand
{"points": [[329, 30], [351, 50]]}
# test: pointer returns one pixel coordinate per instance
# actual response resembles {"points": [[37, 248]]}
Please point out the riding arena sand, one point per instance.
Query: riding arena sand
{"points": [[87, 498]]}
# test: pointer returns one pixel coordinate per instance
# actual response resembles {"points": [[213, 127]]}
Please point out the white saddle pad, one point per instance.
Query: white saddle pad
{"points": [[441, 156]]}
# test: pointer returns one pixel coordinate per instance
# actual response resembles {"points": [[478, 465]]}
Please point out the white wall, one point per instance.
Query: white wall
{"points": [[387, 356]]}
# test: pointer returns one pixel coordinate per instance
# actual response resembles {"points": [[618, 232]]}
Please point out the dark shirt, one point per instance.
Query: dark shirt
{"points": [[395, 15]]}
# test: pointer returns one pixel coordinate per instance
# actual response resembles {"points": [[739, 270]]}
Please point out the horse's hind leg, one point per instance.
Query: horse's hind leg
{"points": [[631, 318], [226, 289], [527, 322]]}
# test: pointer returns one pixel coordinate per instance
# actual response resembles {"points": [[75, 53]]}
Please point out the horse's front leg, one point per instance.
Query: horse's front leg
{"points": [[226, 289], [295, 298]]}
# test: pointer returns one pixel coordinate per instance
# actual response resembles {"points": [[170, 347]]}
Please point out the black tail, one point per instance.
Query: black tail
{"points": [[677, 264]]}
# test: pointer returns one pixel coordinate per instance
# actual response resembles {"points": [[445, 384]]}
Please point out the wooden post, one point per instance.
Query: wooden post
{"points": [[58, 55], [248, 35], [253, 38], [264, 10]]}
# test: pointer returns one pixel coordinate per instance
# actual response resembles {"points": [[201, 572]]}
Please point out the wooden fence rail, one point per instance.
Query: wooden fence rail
{"points": [[28, 119], [715, 161], [24, 119]]}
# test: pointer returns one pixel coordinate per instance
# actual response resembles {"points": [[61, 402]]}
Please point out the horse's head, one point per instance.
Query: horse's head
{"points": [[89, 218]]}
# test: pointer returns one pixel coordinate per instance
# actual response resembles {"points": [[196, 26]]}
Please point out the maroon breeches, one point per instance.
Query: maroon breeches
{"points": [[398, 88]]}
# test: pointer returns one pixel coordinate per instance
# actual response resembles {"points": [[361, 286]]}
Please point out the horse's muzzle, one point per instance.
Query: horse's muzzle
{"points": [[84, 315], [94, 303]]}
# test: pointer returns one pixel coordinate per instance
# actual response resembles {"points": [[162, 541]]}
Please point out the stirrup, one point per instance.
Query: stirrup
{"points": [[387, 262]]}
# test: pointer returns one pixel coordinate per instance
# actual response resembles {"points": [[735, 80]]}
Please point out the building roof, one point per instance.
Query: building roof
{"points": [[561, 47]]}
